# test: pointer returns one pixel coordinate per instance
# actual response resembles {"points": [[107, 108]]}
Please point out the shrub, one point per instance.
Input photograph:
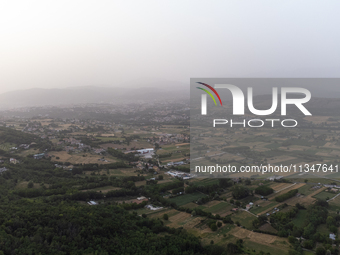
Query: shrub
{"points": [[286, 196], [264, 190]]}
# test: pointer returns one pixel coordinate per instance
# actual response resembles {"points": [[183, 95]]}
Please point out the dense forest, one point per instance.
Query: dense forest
{"points": [[29, 227]]}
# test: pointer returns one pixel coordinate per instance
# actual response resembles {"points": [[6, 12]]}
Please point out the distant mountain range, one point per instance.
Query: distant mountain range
{"points": [[148, 91], [92, 94]]}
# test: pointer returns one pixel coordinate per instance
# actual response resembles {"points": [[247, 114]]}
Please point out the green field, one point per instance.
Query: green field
{"points": [[121, 172], [324, 195], [108, 139], [300, 218], [260, 247], [334, 175], [187, 198], [6, 146], [207, 181], [257, 210], [220, 208], [249, 199], [306, 189], [323, 229], [178, 152], [333, 206], [245, 219], [104, 189]]}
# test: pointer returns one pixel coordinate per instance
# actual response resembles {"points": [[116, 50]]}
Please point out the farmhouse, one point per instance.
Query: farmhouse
{"points": [[179, 163], [98, 151], [153, 208], [25, 146], [249, 206], [3, 169], [275, 177], [39, 156], [145, 151], [141, 198], [13, 161], [184, 176]]}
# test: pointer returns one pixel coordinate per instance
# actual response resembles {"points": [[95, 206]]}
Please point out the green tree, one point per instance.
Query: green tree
{"points": [[239, 192], [320, 251], [247, 181], [213, 226], [256, 223], [330, 221], [292, 239], [232, 248], [30, 185]]}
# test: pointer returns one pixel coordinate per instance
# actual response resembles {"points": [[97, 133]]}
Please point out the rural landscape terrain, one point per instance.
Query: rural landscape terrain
{"points": [[102, 179]]}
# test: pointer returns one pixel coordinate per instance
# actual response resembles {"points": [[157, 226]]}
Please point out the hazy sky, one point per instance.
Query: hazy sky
{"points": [[55, 44]]}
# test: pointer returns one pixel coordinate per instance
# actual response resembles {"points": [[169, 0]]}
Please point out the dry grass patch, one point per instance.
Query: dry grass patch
{"points": [[107, 135], [23, 185], [281, 159], [63, 156], [182, 144], [267, 227], [211, 203], [335, 200], [296, 186], [132, 145], [178, 218], [278, 186], [304, 200], [190, 205], [255, 237], [317, 119]]}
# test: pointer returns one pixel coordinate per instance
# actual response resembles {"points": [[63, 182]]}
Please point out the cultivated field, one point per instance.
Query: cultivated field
{"points": [[187, 198]]}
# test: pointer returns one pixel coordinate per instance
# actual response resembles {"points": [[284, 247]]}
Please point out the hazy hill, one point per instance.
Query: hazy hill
{"points": [[91, 94]]}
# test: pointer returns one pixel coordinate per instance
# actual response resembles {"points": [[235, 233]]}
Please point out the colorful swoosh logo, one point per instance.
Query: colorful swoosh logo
{"points": [[208, 92]]}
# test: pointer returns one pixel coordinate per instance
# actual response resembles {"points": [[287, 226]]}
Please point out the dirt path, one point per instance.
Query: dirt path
{"points": [[249, 212], [277, 191], [333, 198]]}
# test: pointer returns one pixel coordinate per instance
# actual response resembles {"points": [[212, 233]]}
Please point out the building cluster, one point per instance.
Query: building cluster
{"points": [[182, 175], [179, 163], [164, 139], [153, 208]]}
